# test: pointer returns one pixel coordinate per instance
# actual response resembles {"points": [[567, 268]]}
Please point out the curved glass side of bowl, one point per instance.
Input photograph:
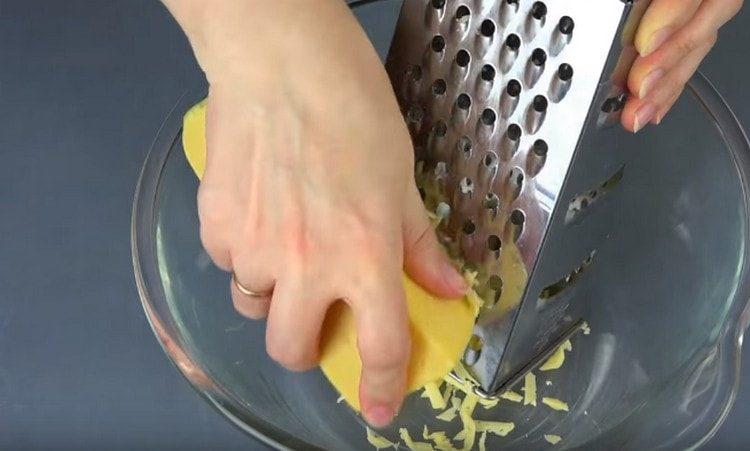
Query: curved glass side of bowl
{"points": [[659, 369]]}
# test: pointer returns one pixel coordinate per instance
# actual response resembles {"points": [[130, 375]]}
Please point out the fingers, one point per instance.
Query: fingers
{"points": [[638, 112], [384, 343], [673, 38], [252, 273], [662, 19], [294, 323], [253, 307], [215, 225], [673, 85], [700, 30], [424, 259]]}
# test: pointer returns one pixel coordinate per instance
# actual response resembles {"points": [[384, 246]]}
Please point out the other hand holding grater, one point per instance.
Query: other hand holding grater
{"points": [[504, 100]]}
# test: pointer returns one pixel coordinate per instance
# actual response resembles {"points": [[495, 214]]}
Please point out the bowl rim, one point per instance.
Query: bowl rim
{"points": [[143, 247]]}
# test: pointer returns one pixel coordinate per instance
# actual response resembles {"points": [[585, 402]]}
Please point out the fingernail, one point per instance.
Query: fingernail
{"points": [[454, 278], [379, 416], [643, 116], [657, 39], [657, 120], [649, 82]]}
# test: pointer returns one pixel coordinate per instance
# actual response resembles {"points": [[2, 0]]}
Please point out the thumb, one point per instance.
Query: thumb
{"points": [[424, 258]]}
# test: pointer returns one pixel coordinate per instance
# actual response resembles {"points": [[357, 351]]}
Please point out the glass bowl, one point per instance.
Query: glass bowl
{"points": [[659, 369]]}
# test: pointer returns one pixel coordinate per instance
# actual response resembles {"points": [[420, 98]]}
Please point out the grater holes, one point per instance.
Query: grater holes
{"points": [[614, 104], [490, 208], [565, 72], [517, 221], [437, 44], [535, 66], [513, 42], [537, 157], [488, 73], [582, 202], [415, 115], [514, 132], [560, 85], [517, 217], [438, 4], [495, 283], [439, 87], [490, 159], [463, 58], [473, 350], [491, 202], [468, 227], [415, 74], [463, 14], [509, 99], [440, 129], [536, 114], [540, 148], [515, 180], [489, 117], [487, 29], [539, 10], [494, 244], [549, 292], [464, 145], [566, 25], [540, 104], [514, 88], [538, 57], [463, 101]]}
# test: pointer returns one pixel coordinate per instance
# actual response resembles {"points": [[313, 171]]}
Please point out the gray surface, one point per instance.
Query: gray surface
{"points": [[83, 87]]}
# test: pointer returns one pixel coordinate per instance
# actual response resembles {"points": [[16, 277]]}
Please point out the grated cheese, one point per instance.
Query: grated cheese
{"points": [[378, 441], [529, 390], [555, 404]]}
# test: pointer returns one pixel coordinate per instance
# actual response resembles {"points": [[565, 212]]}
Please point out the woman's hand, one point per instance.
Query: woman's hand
{"points": [[673, 38], [308, 192]]}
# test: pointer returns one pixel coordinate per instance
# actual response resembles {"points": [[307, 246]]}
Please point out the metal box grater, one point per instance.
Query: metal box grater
{"points": [[503, 99]]}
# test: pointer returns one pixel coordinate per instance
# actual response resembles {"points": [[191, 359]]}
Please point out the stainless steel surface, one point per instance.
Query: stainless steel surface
{"points": [[506, 93]]}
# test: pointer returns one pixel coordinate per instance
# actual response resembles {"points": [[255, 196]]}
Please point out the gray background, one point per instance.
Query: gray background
{"points": [[84, 86]]}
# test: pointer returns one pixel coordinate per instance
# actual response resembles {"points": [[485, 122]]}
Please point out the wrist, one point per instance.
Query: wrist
{"points": [[251, 40]]}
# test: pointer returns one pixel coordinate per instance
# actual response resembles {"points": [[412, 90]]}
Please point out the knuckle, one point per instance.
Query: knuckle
{"points": [[688, 43], [382, 354], [214, 206], [293, 358]]}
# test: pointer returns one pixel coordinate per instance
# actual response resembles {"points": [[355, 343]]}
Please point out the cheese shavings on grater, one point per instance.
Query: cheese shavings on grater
{"points": [[508, 103]]}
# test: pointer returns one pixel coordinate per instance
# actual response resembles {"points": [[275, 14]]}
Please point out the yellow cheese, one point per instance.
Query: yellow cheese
{"points": [[483, 442], [512, 396], [556, 360], [411, 444], [553, 439], [378, 441], [469, 425], [501, 428], [555, 404], [432, 392], [441, 441], [529, 390], [440, 329]]}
